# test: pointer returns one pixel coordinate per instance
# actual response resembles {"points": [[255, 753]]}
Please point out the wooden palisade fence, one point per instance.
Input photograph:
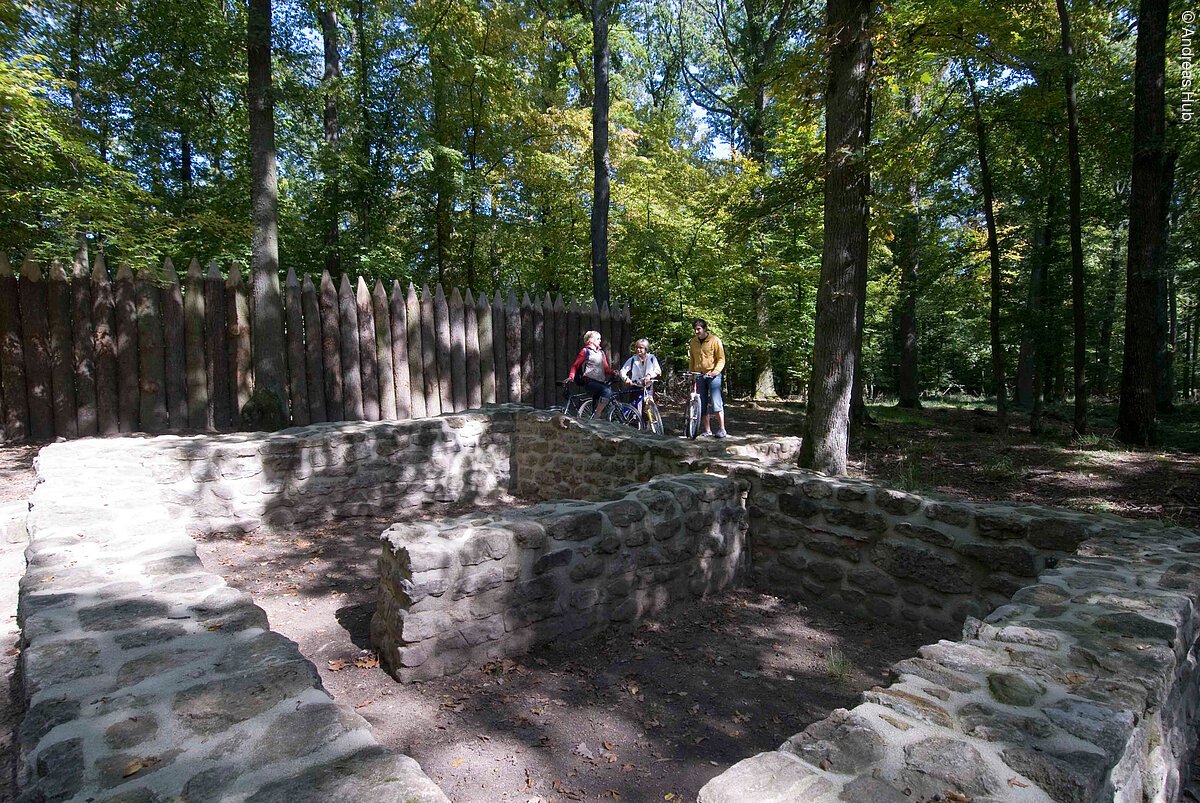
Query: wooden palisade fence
{"points": [[88, 355]]}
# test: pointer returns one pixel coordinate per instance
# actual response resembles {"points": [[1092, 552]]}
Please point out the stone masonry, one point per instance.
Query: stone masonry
{"points": [[148, 678], [901, 557], [465, 591], [1084, 688]]}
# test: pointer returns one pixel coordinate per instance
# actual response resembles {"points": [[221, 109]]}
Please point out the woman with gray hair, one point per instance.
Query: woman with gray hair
{"points": [[643, 366]]}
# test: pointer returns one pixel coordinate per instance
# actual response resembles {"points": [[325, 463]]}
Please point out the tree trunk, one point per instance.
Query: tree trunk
{"points": [[185, 165], [443, 180], [81, 244], [1079, 313], [1164, 338], [264, 202], [1136, 415], [1034, 333], [600, 165], [366, 145], [1108, 309], [908, 251], [985, 178], [847, 179], [333, 201]]}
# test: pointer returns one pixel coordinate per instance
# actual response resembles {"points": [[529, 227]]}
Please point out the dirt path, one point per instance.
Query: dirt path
{"points": [[648, 714]]}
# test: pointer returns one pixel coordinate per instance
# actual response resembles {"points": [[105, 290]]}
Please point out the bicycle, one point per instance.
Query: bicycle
{"points": [[691, 424], [642, 412], [578, 405]]}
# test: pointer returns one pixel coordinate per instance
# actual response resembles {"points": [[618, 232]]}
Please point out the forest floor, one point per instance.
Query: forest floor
{"points": [[651, 714]]}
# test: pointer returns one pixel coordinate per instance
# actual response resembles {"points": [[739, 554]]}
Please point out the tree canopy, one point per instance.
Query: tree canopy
{"points": [[460, 149]]}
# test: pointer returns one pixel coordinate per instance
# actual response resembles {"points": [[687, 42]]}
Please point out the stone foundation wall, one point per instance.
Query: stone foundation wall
{"points": [[464, 591], [146, 677], [238, 483], [1084, 688], [885, 554]]}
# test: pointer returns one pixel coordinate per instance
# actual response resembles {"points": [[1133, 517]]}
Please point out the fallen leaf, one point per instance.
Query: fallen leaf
{"points": [[669, 796], [457, 762], [217, 626], [613, 793], [1017, 782], [363, 704], [338, 664], [607, 745], [369, 661], [139, 764], [581, 749]]}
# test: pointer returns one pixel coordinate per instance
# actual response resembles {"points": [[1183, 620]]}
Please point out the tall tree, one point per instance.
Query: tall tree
{"points": [[1147, 228], [264, 204], [327, 17], [601, 178], [993, 245], [1079, 312], [844, 253]]}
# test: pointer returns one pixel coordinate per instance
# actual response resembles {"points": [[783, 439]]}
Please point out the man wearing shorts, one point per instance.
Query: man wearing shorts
{"points": [[706, 355]]}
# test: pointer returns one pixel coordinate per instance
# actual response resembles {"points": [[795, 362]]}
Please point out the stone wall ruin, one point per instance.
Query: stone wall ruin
{"points": [[1082, 687]]}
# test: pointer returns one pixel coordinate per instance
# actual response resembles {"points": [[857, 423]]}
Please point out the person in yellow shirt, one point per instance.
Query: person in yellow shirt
{"points": [[706, 355]]}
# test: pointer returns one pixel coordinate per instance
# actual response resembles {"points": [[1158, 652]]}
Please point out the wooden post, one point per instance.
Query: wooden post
{"points": [[512, 344], [216, 351], [531, 335], [35, 333], [383, 352], [549, 370], [606, 336], [199, 413], [487, 353], [62, 356], [12, 357], [500, 346], [237, 319], [368, 357], [105, 349], [352, 378], [175, 350], [626, 329], [471, 333], [314, 368], [83, 346], [561, 363], [125, 314], [400, 367], [575, 330], [433, 398], [297, 375], [619, 335], [331, 350], [416, 353], [458, 351], [152, 397], [441, 323]]}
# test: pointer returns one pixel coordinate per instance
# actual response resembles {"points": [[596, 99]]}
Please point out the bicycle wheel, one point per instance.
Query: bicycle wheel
{"points": [[622, 413], [651, 419], [693, 417], [587, 411]]}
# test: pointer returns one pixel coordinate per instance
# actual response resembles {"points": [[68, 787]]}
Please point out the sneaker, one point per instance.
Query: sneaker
{"points": [[720, 433], [706, 434]]}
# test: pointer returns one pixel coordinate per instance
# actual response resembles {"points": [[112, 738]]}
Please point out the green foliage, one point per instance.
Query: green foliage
{"points": [[463, 153]]}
